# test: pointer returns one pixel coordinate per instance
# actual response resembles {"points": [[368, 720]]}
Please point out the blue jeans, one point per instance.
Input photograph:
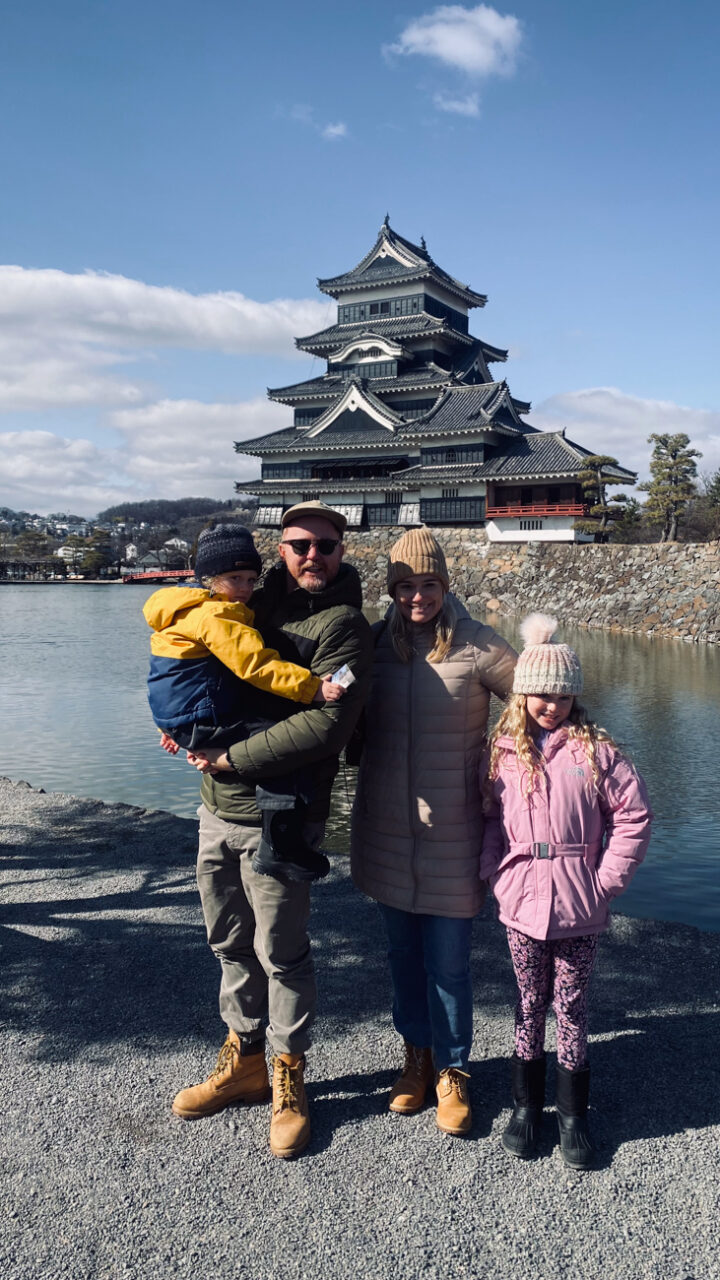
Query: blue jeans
{"points": [[432, 992]]}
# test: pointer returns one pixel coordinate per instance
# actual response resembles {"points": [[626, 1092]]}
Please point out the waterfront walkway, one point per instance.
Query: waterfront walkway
{"points": [[109, 1005]]}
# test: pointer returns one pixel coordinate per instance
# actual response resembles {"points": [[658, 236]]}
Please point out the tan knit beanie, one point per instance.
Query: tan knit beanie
{"points": [[543, 666], [417, 551]]}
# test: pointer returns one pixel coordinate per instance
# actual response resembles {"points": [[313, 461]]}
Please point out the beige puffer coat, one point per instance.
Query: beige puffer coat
{"points": [[417, 820]]}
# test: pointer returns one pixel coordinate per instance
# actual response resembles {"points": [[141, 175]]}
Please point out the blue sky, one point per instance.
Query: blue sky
{"points": [[177, 174]]}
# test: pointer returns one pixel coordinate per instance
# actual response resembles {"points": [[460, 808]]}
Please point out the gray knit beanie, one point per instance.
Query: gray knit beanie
{"points": [[543, 665], [224, 548]]}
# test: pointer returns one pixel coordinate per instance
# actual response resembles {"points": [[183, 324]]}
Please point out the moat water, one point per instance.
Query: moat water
{"points": [[74, 718]]}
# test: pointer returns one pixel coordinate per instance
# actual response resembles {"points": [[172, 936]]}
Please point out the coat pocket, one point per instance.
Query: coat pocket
{"points": [[578, 899], [515, 889]]}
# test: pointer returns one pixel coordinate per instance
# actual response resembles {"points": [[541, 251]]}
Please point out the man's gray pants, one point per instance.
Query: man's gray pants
{"points": [[257, 927]]}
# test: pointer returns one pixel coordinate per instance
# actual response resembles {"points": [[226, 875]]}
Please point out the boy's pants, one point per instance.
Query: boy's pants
{"points": [[257, 927], [557, 971]]}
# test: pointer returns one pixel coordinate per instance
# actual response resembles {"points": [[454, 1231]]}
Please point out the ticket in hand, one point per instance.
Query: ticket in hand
{"points": [[343, 676]]}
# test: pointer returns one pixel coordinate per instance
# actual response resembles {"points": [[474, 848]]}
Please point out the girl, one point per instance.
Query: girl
{"points": [[568, 823]]}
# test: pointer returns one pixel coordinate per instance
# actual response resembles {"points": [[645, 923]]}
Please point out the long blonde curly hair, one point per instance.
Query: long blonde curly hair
{"points": [[513, 723], [402, 639]]}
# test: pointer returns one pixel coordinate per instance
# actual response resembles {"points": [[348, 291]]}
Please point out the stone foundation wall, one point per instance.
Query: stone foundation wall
{"points": [[666, 589]]}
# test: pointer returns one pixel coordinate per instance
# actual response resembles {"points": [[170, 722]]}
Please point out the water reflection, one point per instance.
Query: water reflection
{"points": [[75, 719]]}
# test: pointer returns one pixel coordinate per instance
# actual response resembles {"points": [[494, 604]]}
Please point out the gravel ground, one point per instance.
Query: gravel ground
{"points": [[109, 1005]]}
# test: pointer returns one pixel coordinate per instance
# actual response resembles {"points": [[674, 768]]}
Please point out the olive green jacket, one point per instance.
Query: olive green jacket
{"points": [[321, 631]]}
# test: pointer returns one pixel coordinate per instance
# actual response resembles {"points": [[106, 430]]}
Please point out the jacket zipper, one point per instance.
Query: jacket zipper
{"points": [[411, 810]]}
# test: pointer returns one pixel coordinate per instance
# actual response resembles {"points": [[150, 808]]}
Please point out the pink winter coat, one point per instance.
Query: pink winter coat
{"points": [[556, 858]]}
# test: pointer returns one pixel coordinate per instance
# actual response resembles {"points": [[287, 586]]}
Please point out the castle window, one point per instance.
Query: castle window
{"points": [[393, 496], [452, 510], [450, 493]]}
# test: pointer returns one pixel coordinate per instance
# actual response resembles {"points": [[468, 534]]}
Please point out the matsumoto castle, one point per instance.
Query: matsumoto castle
{"points": [[407, 425]]}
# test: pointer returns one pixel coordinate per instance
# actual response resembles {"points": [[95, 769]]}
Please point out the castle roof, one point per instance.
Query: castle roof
{"points": [[361, 418], [394, 328], [395, 260], [418, 378]]}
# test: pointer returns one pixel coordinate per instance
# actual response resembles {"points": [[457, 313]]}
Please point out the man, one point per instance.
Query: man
{"points": [[308, 608]]}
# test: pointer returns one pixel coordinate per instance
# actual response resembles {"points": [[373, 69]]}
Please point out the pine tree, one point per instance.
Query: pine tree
{"points": [[595, 481], [673, 469]]}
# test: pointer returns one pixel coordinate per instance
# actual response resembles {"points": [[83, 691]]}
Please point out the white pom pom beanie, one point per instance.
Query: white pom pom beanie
{"points": [[543, 666]]}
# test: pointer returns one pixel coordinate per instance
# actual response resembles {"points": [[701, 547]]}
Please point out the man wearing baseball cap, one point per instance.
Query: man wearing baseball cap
{"points": [[309, 609]]}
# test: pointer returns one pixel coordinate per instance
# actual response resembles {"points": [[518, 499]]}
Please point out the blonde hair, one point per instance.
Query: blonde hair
{"points": [[513, 724], [401, 632]]}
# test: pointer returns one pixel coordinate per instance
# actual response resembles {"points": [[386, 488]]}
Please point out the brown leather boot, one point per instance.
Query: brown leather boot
{"points": [[290, 1124], [408, 1092], [240, 1075], [453, 1111]]}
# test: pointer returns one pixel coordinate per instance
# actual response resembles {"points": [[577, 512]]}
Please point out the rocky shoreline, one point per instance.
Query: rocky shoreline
{"points": [[109, 1004]]}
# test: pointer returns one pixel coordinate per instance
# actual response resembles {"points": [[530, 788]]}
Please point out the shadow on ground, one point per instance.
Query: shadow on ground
{"points": [[102, 944]]}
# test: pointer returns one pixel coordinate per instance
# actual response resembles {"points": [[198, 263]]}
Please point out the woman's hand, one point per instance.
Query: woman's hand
{"points": [[211, 760]]}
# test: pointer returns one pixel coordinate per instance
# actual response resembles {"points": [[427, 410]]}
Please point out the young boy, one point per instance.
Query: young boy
{"points": [[212, 682]]}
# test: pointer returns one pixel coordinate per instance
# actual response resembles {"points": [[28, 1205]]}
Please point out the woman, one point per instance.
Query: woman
{"points": [[417, 819]]}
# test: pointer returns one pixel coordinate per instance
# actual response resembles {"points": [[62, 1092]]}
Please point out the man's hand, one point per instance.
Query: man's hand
{"points": [[211, 760], [169, 744]]}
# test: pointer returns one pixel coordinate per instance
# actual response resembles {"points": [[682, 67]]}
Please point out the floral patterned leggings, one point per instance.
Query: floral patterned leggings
{"points": [[556, 971]]}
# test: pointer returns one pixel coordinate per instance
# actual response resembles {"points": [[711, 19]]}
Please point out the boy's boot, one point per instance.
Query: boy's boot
{"points": [[283, 849], [408, 1092], [528, 1091], [453, 1104], [571, 1104], [290, 1124], [240, 1075]]}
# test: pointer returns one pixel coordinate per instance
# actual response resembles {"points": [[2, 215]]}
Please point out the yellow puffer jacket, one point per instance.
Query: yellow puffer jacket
{"points": [[190, 628]]}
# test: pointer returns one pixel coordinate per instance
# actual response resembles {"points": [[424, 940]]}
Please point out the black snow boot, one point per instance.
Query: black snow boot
{"points": [[284, 851], [528, 1091], [571, 1104]]}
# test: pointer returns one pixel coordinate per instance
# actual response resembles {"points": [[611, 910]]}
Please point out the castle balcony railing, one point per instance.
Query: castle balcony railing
{"points": [[538, 509]]}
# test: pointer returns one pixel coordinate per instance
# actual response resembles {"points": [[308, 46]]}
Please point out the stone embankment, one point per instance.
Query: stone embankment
{"points": [[664, 589]]}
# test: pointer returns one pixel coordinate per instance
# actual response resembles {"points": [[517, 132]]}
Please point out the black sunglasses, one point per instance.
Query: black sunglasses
{"points": [[301, 546]]}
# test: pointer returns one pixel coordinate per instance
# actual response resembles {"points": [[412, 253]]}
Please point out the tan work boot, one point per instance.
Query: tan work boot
{"points": [[453, 1110], [290, 1124], [408, 1092], [237, 1077]]}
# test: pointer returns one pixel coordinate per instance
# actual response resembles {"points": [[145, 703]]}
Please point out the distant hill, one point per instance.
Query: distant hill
{"points": [[165, 511]]}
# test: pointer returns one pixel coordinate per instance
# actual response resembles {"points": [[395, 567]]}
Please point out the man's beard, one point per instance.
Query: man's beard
{"points": [[313, 580]]}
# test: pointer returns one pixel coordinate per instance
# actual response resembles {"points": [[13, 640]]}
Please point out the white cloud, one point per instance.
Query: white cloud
{"points": [[97, 307], [467, 106], [610, 421], [64, 339], [304, 114], [173, 449], [479, 41], [333, 132]]}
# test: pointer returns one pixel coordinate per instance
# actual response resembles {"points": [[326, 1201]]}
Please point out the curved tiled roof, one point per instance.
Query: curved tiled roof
{"points": [[395, 328], [459, 410], [415, 264], [543, 452]]}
